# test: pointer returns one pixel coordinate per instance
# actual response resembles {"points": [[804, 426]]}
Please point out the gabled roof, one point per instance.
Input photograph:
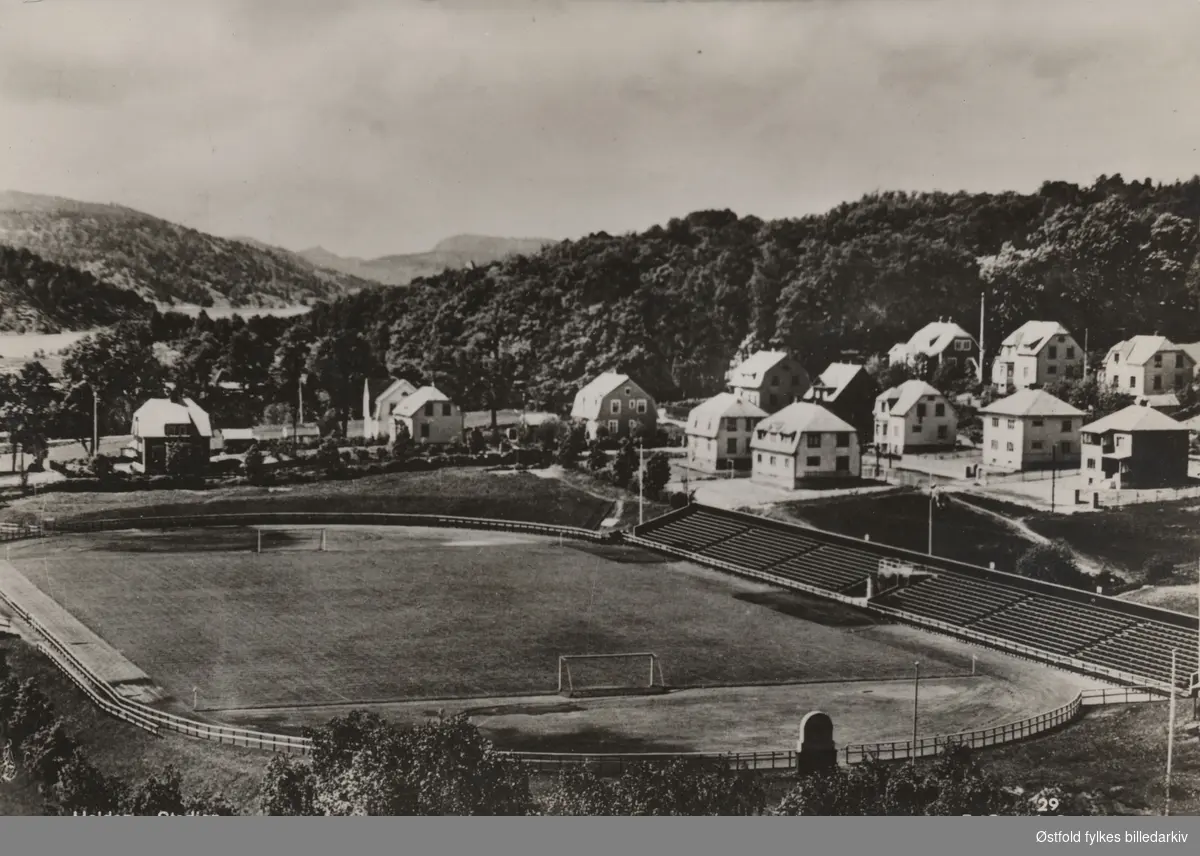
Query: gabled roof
{"points": [[783, 429], [901, 399], [380, 388], [935, 337], [751, 371], [704, 420], [155, 414], [1032, 336], [834, 381], [1161, 399], [588, 399], [1031, 402], [1192, 350], [410, 405], [1138, 350], [375, 387], [1134, 418]]}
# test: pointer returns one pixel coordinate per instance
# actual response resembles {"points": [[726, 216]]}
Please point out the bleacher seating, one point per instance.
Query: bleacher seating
{"points": [[1091, 633]]}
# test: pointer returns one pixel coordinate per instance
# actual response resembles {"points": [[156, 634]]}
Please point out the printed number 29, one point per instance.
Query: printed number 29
{"points": [[1047, 805]]}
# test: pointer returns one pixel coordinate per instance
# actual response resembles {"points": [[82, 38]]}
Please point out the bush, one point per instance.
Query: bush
{"points": [[101, 466], [1053, 563], [1159, 569]]}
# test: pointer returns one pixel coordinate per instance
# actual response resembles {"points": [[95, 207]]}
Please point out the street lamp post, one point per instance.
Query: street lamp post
{"points": [[932, 496], [916, 700]]}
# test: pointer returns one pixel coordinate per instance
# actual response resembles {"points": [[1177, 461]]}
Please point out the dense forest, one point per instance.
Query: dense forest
{"points": [[40, 296]]}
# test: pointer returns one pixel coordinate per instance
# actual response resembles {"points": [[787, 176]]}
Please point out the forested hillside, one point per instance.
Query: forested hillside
{"points": [[673, 304], [39, 296], [162, 261]]}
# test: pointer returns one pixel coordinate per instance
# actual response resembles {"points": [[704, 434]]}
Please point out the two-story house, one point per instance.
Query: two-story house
{"points": [[719, 432], [847, 390], [430, 417], [938, 342], [1137, 447], [171, 437], [1035, 354], [769, 379], [380, 397], [617, 404], [914, 417], [1030, 429], [803, 443], [1150, 368]]}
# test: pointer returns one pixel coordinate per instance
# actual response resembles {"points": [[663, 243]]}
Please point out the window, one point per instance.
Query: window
{"points": [[995, 421], [1091, 463], [759, 458], [1051, 369], [814, 441], [774, 380], [1132, 381], [641, 405], [842, 464], [613, 426], [895, 430], [772, 460], [812, 461], [628, 392], [943, 432], [1070, 353], [843, 440], [446, 408], [1071, 372], [1115, 381], [731, 446], [614, 407], [1012, 423], [1037, 423], [731, 423], [1066, 447], [1052, 352], [1158, 381], [939, 409], [424, 430], [1036, 444], [428, 408], [1008, 446], [175, 430], [962, 345], [1158, 361], [1179, 361], [920, 411], [995, 444], [1120, 440], [951, 361], [883, 407], [1067, 425], [916, 429]]}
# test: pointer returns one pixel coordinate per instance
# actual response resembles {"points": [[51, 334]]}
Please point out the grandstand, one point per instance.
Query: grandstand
{"points": [[1102, 632]]}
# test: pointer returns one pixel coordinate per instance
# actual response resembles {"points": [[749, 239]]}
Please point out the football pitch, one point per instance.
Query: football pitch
{"points": [[406, 613]]}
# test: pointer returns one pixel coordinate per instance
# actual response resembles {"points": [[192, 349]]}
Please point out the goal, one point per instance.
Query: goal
{"points": [[276, 539], [609, 674]]}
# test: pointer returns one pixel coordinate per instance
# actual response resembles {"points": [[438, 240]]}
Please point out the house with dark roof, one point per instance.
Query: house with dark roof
{"points": [[847, 390], [1029, 429], [914, 417], [380, 397], [804, 443], [719, 432], [1035, 354], [1152, 369], [616, 403], [769, 379], [1137, 447]]}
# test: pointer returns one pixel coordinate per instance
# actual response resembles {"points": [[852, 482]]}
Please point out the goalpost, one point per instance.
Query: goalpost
{"points": [[610, 674], [278, 538]]}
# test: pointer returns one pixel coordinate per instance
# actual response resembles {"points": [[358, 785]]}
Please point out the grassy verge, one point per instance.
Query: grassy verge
{"points": [[466, 491], [1129, 537]]}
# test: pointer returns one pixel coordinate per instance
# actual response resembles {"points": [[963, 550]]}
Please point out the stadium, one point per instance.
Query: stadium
{"points": [[702, 631]]}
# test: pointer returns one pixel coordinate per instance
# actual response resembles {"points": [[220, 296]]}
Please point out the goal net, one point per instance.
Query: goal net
{"points": [[609, 674], [276, 539]]}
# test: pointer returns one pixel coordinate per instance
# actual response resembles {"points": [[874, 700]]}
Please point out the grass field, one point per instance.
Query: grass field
{"points": [[902, 520], [406, 613], [457, 491]]}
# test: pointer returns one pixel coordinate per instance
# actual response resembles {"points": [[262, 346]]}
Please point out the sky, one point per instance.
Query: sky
{"points": [[372, 127]]}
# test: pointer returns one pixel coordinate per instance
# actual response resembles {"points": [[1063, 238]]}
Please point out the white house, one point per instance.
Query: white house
{"points": [[616, 403], [429, 415], [938, 342], [769, 379], [914, 417], [161, 423], [1150, 368], [804, 442], [1035, 354], [719, 432], [380, 397], [1030, 428]]}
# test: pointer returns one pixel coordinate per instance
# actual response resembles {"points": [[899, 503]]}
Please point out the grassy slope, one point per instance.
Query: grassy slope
{"points": [[122, 749], [468, 492], [902, 520], [1129, 537]]}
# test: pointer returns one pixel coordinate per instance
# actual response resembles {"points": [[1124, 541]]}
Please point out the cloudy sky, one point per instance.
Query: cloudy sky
{"points": [[382, 126]]}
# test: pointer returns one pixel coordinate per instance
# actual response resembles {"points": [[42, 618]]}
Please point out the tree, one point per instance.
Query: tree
{"points": [[1052, 562], [159, 793], [31, 411], [339, 363], [624, 465], [184, 457], [402, 442], [658, 473], [81, 788], [288, 788], [254, 463], [476, 442], [572, 439], [1158, 569], [30, 712], [675, 789], [329, 456], [47, 751]]}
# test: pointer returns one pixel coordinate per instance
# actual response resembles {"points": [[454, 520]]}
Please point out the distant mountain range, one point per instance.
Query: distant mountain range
{"points": [[160, 262], [456, 252]]}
